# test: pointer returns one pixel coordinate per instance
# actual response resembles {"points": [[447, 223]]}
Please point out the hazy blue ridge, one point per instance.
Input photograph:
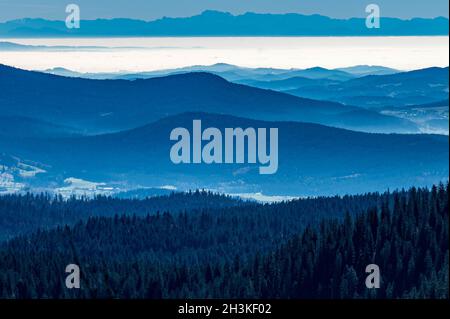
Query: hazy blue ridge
{"points": [[313, 159], [214, 23], [120, 104], [121, 133]]}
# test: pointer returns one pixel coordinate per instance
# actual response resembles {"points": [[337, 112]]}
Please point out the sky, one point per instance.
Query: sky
{"points": [[154, 9]]}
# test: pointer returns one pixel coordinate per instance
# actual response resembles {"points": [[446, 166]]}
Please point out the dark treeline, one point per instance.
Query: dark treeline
{"points": [[255, 251], [22, 214]]}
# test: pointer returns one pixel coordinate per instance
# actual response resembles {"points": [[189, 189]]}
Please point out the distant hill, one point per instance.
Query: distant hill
{"points": [[214, 23], [319, 73], [292, 83], [399, 89], [110, 105], [361, 85], [313, 159], [229, 72], [362, 70]]}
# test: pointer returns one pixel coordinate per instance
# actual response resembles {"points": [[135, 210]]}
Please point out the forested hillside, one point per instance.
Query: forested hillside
{"points": [[20, 214], [312, 248]]}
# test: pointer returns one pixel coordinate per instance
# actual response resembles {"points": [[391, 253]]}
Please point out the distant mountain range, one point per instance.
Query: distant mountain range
{"points": [[399, 89], [365, 86], [239, 74], [11, 46], [385, 90], [313, 159], [214, 23], [75, 135], [94, 106]]}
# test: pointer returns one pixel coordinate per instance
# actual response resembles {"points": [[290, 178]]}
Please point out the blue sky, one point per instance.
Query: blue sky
{"points": [[153, 9]]}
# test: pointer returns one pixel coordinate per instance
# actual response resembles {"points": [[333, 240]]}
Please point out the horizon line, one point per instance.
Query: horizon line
{"points": [[227, 13]]}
